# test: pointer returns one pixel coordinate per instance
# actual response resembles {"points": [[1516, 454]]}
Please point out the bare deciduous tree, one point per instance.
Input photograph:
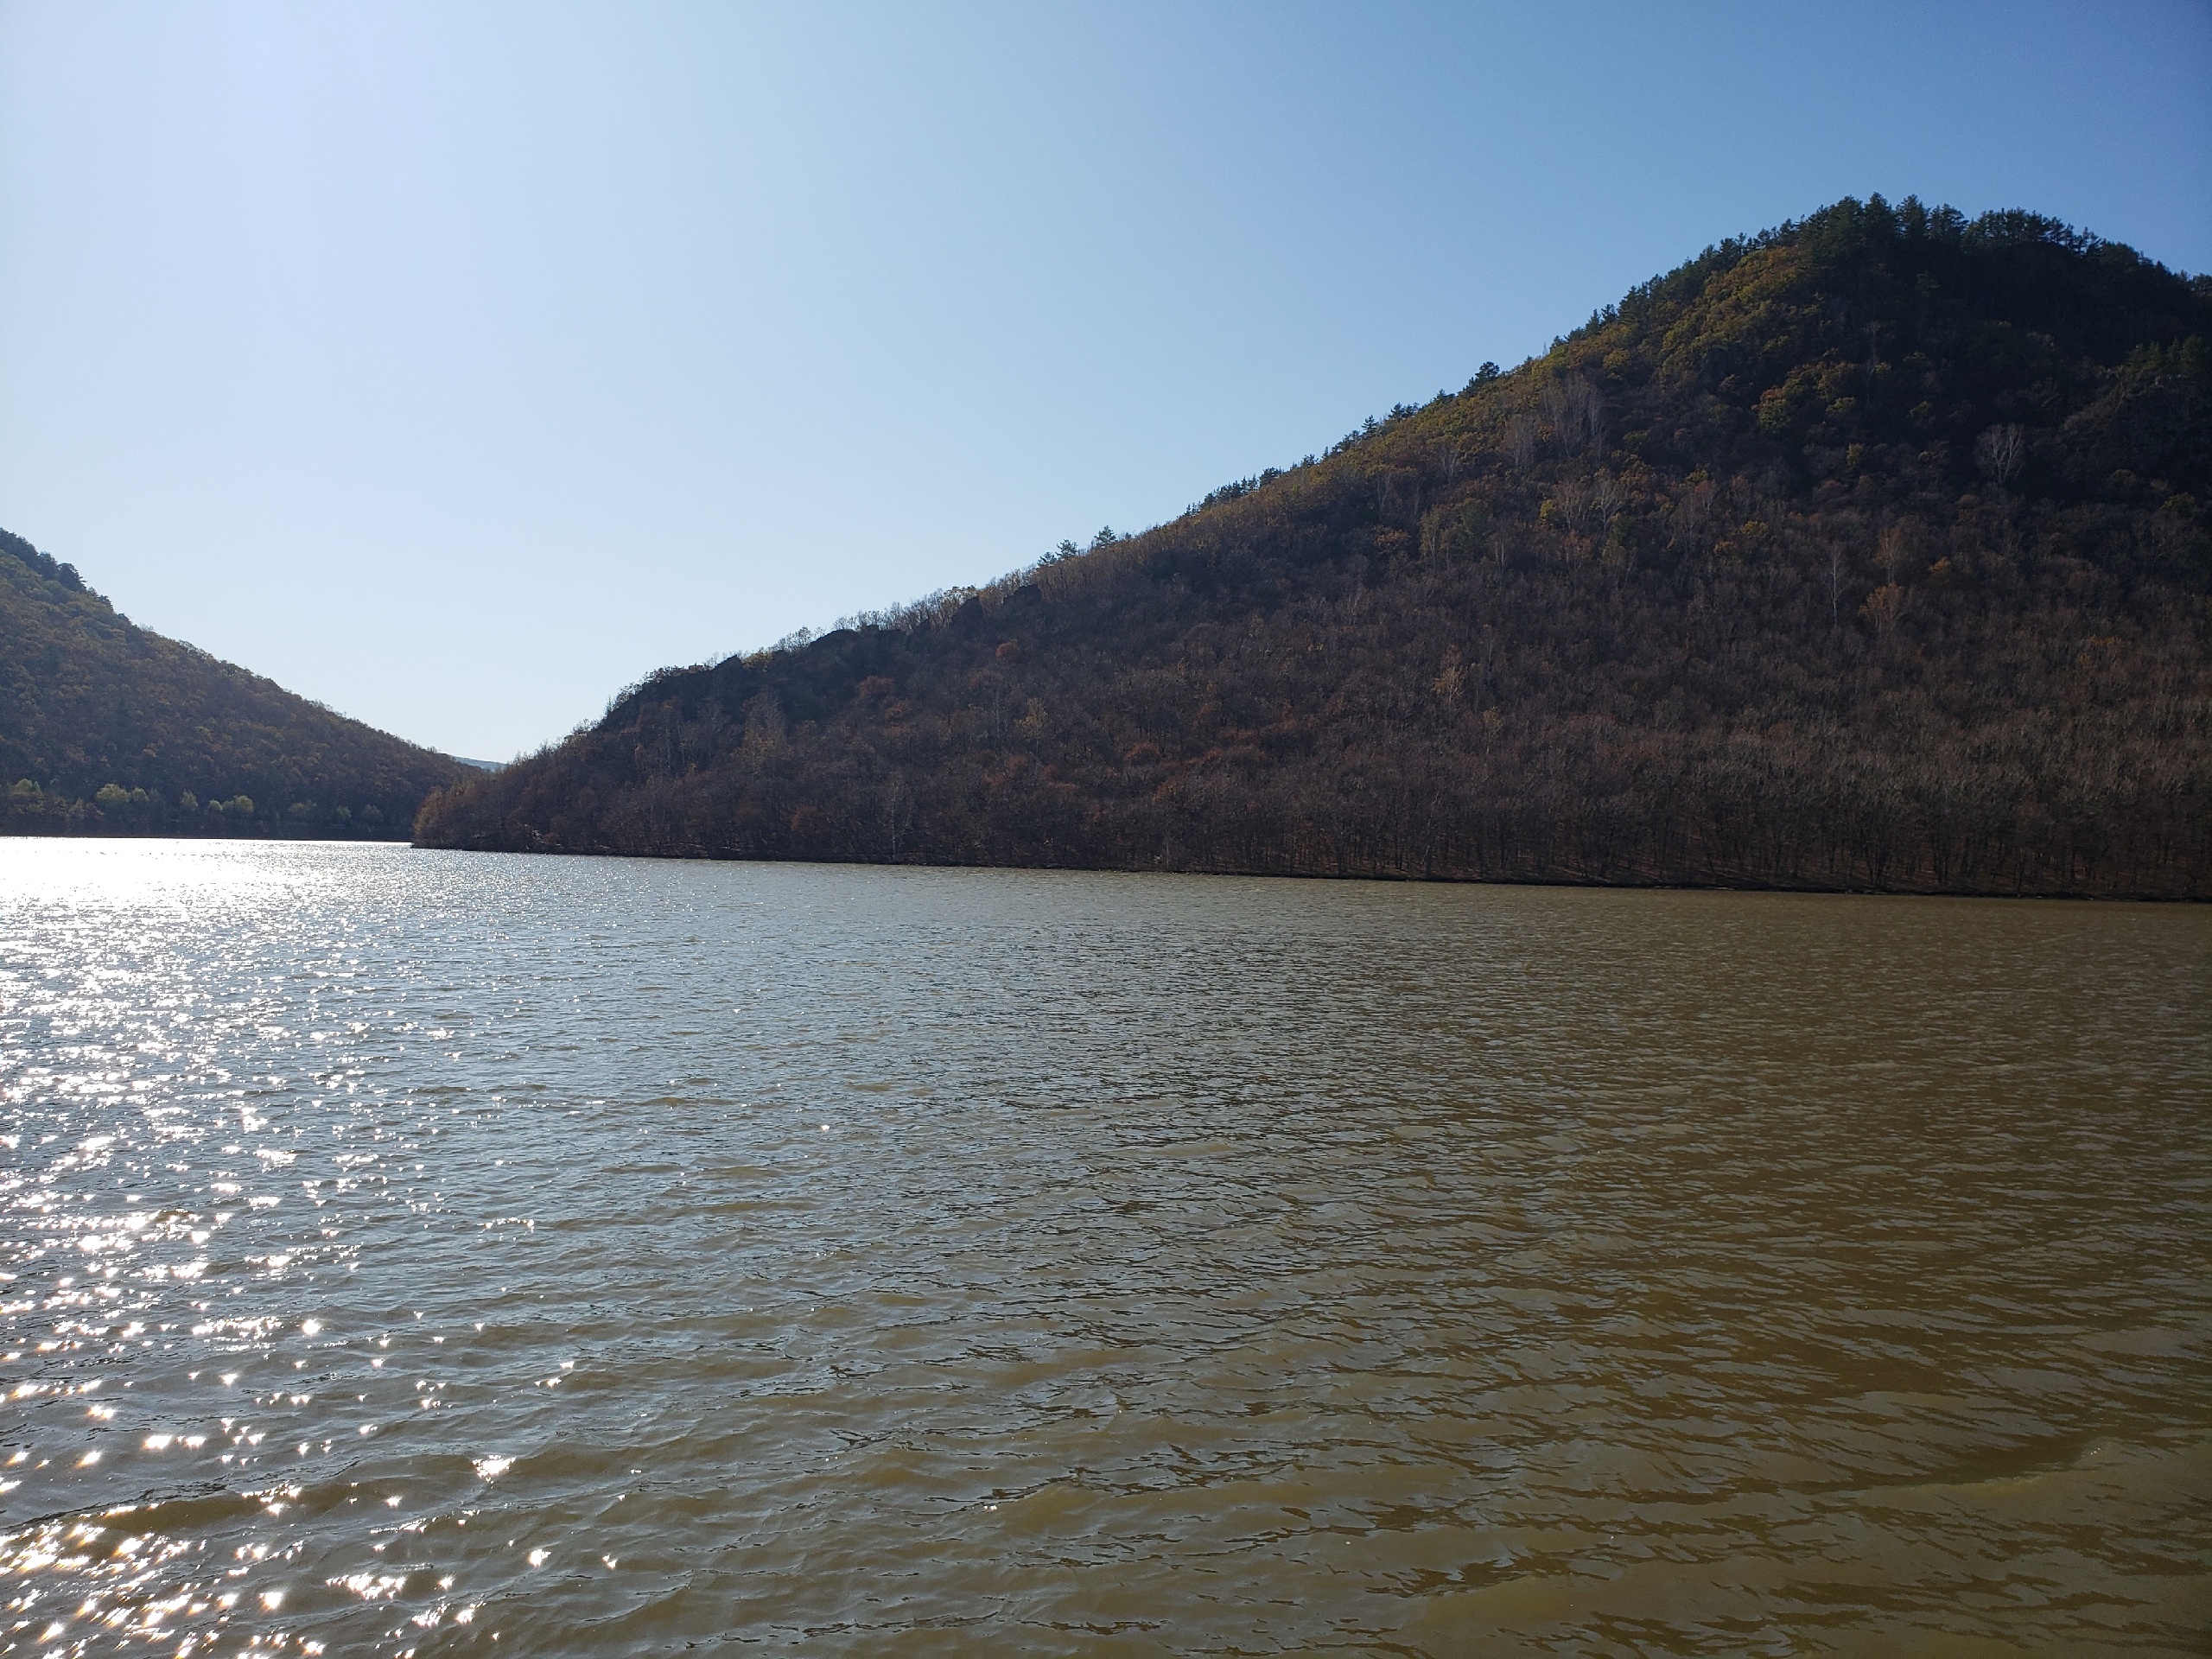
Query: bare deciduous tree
{"points": [[1831, 574], [2000, 452], [1885, 606], [1575, 411], [1892, 549], [1552, 402], [898, 806], [1607, 497], [1573, 503], [1451, 679], [1521, 441], [1598, 418], [1692, 512]]}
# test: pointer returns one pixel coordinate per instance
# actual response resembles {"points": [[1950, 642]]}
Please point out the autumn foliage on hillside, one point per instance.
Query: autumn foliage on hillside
{"points": [[108, 729], [1872, 552]]}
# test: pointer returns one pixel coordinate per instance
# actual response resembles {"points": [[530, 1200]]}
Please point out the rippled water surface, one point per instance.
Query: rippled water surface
{"points": [[443, 1253]]}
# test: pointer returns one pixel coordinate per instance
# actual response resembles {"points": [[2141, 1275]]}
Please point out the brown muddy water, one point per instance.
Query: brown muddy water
{"points": [[444, 1253]]}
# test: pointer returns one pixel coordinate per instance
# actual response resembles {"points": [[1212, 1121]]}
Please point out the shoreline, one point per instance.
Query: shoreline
{"points": [[1654, 884]]}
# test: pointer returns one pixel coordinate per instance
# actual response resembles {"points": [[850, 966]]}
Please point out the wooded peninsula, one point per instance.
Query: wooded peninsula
{"points": [[1868, 553]]}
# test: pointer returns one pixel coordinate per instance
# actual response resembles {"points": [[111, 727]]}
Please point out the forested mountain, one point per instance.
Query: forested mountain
{"points": [[105, 728], [1871, 552]]}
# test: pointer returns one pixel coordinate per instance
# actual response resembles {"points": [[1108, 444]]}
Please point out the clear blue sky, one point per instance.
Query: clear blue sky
{"points": [[456, 363]]}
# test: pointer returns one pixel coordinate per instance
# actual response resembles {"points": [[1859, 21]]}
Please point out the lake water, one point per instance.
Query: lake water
{"points": [[445, 1253]]}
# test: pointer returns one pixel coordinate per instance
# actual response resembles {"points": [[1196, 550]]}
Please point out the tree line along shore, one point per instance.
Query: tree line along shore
{"points": [[1869, 553], [1873, 552], [110, 728]]}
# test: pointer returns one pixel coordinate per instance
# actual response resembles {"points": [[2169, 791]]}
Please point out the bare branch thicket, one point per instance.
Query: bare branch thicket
{"points": [[1693, 514], [1573, 502], [1551, 403], [1833, 571], [1893, 550], [1886, 605], [1566, 406], [1521, 441], [1608, 498], [1596, 417], [2000, 452]]}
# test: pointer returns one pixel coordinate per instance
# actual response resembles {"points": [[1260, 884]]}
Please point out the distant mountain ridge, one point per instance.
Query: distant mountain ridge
{"points": [[1870, 552], [106, 728]]}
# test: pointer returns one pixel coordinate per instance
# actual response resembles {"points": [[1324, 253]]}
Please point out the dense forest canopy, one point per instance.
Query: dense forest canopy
{"points": [[1871, 552], [105, 728]]}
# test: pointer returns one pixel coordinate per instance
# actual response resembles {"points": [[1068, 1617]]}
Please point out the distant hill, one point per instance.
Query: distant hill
{"points": [[106, 728], [1871, 552]]}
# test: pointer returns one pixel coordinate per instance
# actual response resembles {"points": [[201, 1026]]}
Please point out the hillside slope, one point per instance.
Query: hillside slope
{"points": [[1870, 553], [106, 728]]}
